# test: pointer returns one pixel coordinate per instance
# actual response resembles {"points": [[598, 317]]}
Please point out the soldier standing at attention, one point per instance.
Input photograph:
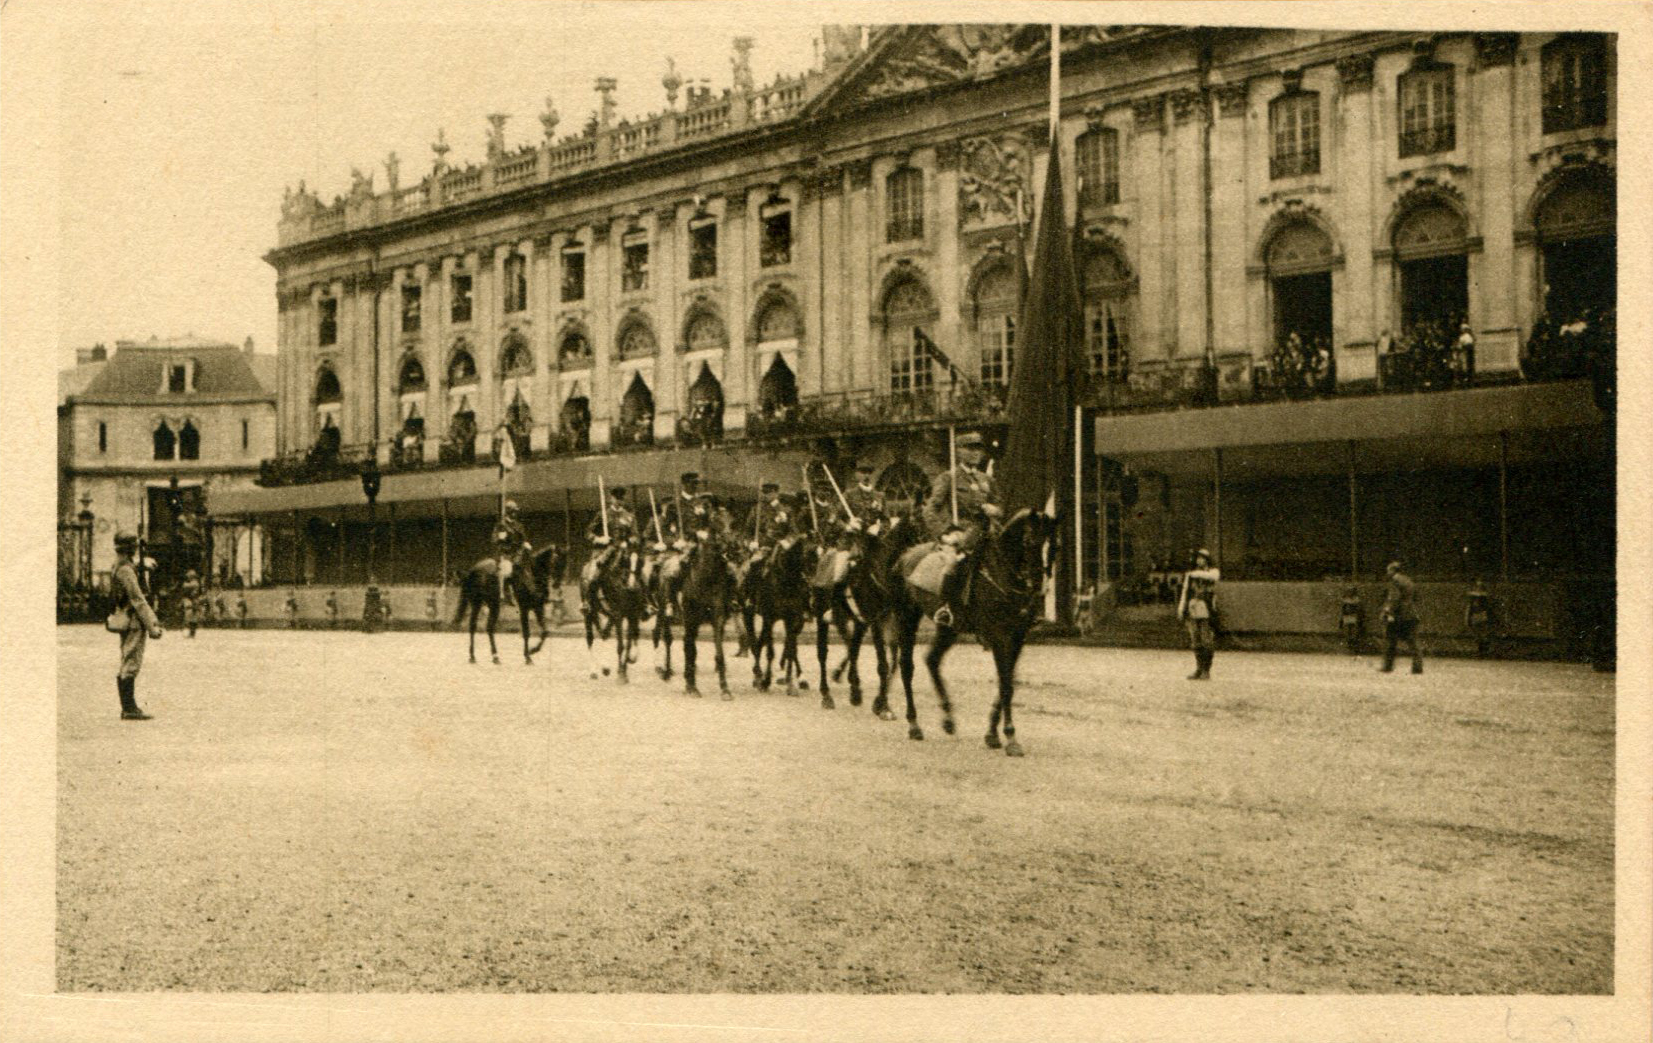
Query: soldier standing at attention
{"points": [[978, 508], [1400, 619], [1196, 608], [137, 622]]}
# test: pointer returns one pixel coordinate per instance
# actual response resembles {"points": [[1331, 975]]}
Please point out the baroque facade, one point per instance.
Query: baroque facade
{"points": [[1262, 216]]}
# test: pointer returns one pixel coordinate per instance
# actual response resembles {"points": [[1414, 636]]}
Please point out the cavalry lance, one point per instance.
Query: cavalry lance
{"points": [[840, 493], [656, 512], [809, 491], [602, 504]]}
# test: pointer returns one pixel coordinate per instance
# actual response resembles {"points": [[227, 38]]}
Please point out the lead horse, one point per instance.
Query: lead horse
{"points": [[1003, 593], [613, 592], [532, 577]]}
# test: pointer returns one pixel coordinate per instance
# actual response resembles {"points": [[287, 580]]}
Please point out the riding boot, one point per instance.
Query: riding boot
{"points": [[1206, 657], [1199, 666], [946, 613], [129, 700]]}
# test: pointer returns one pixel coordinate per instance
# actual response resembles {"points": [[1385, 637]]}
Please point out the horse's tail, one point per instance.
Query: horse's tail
{"points": [[466, 592]]}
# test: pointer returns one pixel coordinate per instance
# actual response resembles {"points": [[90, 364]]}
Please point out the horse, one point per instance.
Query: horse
{"points": [[705, 589], [616, 592], [662, 577], [1002, 595], [778, 591], [531, 580], [858, 604]]}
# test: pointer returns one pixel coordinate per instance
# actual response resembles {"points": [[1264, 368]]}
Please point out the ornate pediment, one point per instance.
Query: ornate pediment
{"points": [[945, 54]]}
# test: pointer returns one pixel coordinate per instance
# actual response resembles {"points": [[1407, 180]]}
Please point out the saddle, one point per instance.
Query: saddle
{"points": [[925, 566], [832, 570]]}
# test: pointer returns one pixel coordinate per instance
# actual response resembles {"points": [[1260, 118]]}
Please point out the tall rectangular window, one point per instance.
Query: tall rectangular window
{"points": [[1426, 112], [411, 294], [246, 435], [634, 267], [103, 437], [776, 247], [327, 325], [910, 367], [573, 275], [516, 283], [703, 251], [461, 293], [904, 201], [1575, 82], [996, 336], [1099, 166], [1294, 131], [177, 378], [1107, 338]]}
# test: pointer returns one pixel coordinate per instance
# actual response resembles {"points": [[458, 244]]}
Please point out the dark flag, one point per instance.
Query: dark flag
{"points": [[935, 353], [1047, 379]]}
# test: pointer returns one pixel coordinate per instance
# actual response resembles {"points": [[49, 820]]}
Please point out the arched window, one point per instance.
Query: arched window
{"points": [[166, 443], [189, 441], [995, 309], [1109, 296], [1432, 249], [778, 390], [706, 406], [1577, 245], [329, 399], [574, 350], [1294, 133], [904, 205], [411, 377], [1427, 110], [574, 421], [461, 368], [1098, 162], [327, 387], [1575, 82], [636, 426], [706, 333], [905, 487], [636, 340], [777, 322], [1299, 261], [908, 315], [515, 358]]}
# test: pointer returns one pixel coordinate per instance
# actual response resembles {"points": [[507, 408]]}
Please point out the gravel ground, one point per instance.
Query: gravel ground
{"points": [[344, 812]]}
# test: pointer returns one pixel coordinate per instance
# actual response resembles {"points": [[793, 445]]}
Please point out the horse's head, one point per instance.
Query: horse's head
{"points": [[1027, 543], [548, 563]]}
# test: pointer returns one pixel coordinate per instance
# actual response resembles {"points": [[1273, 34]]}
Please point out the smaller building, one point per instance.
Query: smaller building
{"points": [[143, 433]]}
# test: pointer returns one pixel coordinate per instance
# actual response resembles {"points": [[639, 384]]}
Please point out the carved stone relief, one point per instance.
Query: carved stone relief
{"points": [[993, 172]]}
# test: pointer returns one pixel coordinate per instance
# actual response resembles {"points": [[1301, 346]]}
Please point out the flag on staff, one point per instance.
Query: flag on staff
{"points": [[935, 354], [1048, 376], [505, 449]]}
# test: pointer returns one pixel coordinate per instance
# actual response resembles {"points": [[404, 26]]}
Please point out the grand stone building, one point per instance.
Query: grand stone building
{"points": [[1341, 293]]}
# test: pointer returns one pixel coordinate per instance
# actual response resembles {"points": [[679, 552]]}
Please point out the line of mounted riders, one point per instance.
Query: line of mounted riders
{"points": [[849, 560]]}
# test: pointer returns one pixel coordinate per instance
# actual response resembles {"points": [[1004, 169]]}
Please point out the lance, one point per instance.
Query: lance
{"points": [[809, 491], [839, 492], [757, 518], [602, 504], [682, 534], [656, 512], [953, 469]]}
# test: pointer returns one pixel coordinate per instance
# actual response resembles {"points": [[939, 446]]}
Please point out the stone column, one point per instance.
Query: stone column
{"points": [[600, 284], [738, 250], [950, 273], [1185, 305], [486, 311], [542, 293], [667, 268], [826, 226], [860, 242], [1231, 245], [1150, 341], [1354, 313], [1489, 124]]}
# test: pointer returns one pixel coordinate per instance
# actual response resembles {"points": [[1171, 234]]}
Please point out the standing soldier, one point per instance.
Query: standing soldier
{"points": [[1478, 616], [1400, 619], [292, 610], [1351, 619], [189, 595], [241, 611], [134, 621], [978, 509], [1197, 608]]}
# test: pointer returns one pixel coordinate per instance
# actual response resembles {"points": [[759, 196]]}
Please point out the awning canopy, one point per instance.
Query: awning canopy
{"points": [[1441, 429], [537, 485]]}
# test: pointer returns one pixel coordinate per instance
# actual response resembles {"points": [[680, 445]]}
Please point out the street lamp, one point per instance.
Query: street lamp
{"points": [[372, 610]]}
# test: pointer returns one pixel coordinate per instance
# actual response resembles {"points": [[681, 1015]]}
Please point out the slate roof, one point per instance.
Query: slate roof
{"points": [[138, 372]]}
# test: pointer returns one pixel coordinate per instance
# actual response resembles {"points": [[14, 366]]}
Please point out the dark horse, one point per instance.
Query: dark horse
{"points": [[703, 592], [532, 576], [777, 589], [613, 593], [855, 604], [1003, 593]]}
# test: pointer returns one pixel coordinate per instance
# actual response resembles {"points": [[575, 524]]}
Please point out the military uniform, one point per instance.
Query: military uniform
{"points": [[140, 624], [622, 532], [1400, 619], [976, 494], [1197, 608], [1351, 620]]}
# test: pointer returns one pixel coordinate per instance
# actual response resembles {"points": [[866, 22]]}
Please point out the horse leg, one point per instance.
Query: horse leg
{"points": [[522, 619], [476, 606], [691, 626], [823, 620], [597, 669], [945, 638], [906, 639], [850, 629], [789, 628], [493, 621], [720, 620], [1005, 661], [884, 641]]}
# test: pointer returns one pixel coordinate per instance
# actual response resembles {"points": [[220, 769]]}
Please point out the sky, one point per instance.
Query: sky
{"points": [[180, 134]]}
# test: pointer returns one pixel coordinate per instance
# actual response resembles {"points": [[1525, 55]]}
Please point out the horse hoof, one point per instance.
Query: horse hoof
{"points": [[993, 742], [1013, 749], [473, 659], [915, 733], [947, 726], [496, 660], [728, 696], [827, 703], [606, 671], [854, 697], [886, 715], [528, 660], [692, 690]]}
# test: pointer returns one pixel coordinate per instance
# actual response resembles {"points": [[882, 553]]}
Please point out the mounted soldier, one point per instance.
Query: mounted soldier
{"points": [[977, 510], [621, 534], [510, 543], [773, 521]]}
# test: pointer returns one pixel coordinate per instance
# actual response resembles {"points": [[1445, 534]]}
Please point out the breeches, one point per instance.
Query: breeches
{"points": [[132, 645], [1200, 635]]}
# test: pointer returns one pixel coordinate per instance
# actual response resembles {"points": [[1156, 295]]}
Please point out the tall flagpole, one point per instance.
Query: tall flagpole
{"points": [[1052, 610]]}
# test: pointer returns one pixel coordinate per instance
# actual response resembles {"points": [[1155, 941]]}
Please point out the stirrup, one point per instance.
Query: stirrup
{"points": [[943, 616]]}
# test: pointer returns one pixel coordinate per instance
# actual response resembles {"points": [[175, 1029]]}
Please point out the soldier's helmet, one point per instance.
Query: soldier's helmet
{"points": [[510, 506], [618, 492], [690, 479], [192, 574], [1394, 567], [864, 467], [770, 488], [126, 538], [971, 439], [1203, 555]]}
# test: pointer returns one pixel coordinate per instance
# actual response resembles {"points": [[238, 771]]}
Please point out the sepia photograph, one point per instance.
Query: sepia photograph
{"points": [[684, 520]]}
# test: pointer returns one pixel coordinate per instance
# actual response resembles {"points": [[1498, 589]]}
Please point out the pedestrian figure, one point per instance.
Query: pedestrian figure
{"points": [[241, 611], [1197, 608], [430, 609], [1351, 619], [134, 621], [1400, 619], [1463, 353], [292, 610], [332, 608], [1478, 616]]}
